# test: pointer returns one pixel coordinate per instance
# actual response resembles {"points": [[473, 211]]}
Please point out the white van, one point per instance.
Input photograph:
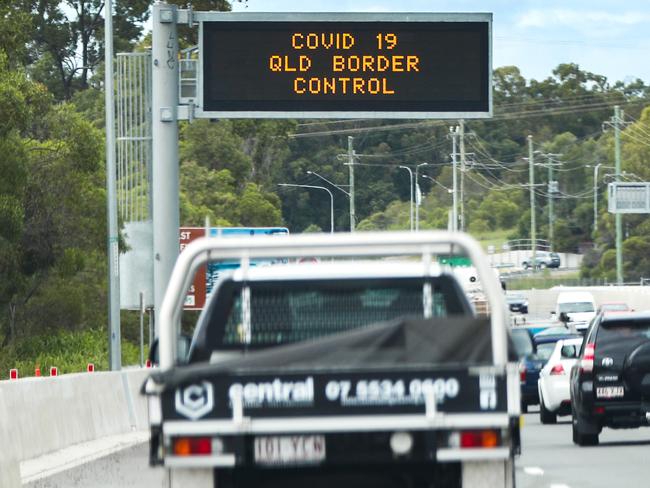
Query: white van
{"points": [[579, 306]]}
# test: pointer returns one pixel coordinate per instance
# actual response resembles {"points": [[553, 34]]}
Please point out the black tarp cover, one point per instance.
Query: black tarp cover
{"points": [[401, 343]]}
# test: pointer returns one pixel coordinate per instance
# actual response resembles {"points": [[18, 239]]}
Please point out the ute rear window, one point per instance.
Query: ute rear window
{"points": [[286, 312]]}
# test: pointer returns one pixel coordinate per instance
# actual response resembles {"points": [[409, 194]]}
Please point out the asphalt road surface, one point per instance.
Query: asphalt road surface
{"points": [[549, 458]]}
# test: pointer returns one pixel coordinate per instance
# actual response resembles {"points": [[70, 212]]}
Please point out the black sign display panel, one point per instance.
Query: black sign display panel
{"points": [[403, 68]]}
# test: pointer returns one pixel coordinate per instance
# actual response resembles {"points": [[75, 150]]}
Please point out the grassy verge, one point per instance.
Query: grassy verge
{"points": [[69, 351], [494, 238], [546, 280]]}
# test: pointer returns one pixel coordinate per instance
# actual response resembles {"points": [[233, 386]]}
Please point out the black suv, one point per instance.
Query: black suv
{"points": [[610, 383]]}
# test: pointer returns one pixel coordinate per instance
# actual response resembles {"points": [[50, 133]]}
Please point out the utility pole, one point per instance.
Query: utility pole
{"points": [[462, 175], [454, 208], [550, 202], [618, 115], [552, 188], [351, 167], [114, 330], [531, 177]]}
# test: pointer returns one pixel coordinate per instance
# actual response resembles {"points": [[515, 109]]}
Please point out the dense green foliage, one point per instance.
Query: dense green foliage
{"points": [[52, 185]]}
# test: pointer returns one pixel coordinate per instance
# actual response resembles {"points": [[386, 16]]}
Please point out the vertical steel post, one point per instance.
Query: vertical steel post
{"points": [[351, 167], [114, 334], [531, 176], [618, 215], [165, 187]]}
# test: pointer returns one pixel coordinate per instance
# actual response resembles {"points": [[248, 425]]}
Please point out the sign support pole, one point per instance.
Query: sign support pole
{"points": [[165, 186]]}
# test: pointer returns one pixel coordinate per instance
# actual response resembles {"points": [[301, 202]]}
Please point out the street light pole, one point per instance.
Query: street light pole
{"points": [[411, 181], [328, 181], [417, 198], [319, 188]]}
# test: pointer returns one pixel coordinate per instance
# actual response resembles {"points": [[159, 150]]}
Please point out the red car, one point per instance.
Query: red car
{"points": [[614, 308]]}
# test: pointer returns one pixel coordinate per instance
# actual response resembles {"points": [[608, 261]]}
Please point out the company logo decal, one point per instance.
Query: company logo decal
{"points": [[195, 401], [607, 362]]}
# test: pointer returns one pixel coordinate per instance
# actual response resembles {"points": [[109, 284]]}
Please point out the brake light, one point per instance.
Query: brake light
{"points": [[557, 369], [587, 363], [522, 373], [479, 438], [189, 446]]}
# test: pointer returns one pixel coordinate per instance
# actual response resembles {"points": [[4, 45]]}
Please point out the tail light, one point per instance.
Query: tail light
{"points": [[189, 446], [587, 362], [557, 369], [522, 373], [476, 439]]}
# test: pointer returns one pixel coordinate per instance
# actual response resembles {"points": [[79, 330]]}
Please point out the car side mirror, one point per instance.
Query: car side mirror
{"points": [[182, 349]]}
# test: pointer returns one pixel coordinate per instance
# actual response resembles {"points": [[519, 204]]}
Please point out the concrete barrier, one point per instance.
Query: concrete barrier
{"points": [[39, 416]]}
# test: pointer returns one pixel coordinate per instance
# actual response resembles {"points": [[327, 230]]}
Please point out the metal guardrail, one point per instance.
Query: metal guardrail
{"points": [[368, 244]]}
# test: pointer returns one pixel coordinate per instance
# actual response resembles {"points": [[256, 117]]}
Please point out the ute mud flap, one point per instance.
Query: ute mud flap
{"points": [[488, 474], [190, 478]]}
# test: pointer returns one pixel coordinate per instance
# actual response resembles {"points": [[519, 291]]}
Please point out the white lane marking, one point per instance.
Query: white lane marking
{"points": [[562, 485], [534, 471]]}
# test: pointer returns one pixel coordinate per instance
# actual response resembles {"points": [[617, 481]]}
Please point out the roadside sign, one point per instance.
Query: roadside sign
{"points": [[207, 275], [195, 298], [327, 65], [629, 197]]}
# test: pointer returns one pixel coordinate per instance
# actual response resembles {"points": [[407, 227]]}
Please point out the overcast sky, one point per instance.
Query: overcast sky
{"points": [[607, 37]]}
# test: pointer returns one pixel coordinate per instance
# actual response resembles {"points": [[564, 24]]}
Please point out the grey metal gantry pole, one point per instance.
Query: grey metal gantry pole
{"points": [[165, 187], [114, 330], [531, 176], [618, 215], [351, 167]]}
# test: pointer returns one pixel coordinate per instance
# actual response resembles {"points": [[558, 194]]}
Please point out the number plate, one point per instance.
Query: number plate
{"points": [[609, 392], [299, 449]]}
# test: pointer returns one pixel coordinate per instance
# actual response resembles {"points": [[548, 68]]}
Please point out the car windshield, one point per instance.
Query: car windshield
{"points": [[544, 351], [576, 307], [515, 297]]}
